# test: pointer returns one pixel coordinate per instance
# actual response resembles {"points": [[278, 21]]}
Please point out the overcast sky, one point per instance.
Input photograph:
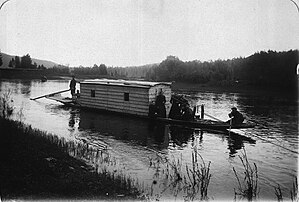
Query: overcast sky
{"points": [[138, 32]]}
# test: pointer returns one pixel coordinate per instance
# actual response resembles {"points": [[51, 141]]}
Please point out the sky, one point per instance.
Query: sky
{"points": [[139, 32]]}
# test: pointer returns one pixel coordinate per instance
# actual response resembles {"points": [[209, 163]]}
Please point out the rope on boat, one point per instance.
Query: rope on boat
{"points": [[257, 136]]}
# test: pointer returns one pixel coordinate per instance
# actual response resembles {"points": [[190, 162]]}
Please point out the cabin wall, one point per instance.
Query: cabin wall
{"points": [[166, 89], [113, 98]]}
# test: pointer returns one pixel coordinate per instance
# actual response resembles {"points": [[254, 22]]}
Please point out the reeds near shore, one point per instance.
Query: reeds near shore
{"points": [[37, 165], [293, 191], [248, 187], [6, 104], [190, 180]]}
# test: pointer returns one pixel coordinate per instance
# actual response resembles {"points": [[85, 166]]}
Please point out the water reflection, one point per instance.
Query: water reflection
{"points": [[149, 133], [236, 142]]}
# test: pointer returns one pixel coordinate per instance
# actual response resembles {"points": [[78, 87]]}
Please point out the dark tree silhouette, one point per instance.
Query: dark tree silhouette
{"points": [[26, 62], [103, 69], [11, 63], [1, 62], [17, 61]]}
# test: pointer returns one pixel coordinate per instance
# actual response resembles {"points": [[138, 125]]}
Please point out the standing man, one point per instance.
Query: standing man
{"points": [[73, 85], [160, 104]]}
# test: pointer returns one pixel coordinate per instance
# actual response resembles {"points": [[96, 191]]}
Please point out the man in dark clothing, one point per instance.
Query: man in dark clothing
{"points": [[73, 86], [236, 117], [175, 110], [187, 113], [160, 104]]}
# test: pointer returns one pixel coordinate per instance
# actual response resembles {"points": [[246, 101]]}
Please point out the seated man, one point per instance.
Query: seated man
{"points": [[187, 113], [175, 110], [236, 117]]}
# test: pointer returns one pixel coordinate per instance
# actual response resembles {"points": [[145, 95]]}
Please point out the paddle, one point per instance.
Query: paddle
{"points": [[62, 91]]}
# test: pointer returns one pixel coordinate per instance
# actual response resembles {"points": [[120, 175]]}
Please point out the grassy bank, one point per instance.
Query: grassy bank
{"points": [[34, 167]]}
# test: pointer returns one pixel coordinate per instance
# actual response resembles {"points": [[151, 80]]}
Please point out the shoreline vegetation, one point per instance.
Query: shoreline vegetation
{"points": [[268, 70], [37, 166]]}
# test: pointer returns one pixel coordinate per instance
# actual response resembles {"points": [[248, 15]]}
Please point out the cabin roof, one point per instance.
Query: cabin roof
{"points": [[127, 83]]}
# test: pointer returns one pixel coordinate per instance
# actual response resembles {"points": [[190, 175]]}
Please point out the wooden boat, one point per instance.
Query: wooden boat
{"points": [[64, 100], [132, 98]]}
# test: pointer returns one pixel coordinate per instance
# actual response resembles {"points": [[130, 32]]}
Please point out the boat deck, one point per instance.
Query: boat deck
{"points": [[64, 100]]}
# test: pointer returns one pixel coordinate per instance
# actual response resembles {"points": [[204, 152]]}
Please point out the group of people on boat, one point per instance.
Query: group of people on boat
{"points": [[180, 110]]}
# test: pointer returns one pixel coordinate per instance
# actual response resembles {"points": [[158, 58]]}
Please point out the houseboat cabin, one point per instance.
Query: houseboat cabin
{"points": [[129, 97]]}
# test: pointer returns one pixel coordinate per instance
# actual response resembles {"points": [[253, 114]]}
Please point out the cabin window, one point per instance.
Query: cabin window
{"points": [[92, 93], [126, 97]]}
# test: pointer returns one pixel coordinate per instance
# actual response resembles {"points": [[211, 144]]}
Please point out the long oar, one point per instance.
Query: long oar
{"points": [[213, 117], [62, 91]]}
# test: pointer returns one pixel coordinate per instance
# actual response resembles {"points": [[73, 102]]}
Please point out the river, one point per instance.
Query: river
{"points": [[134, 144]]}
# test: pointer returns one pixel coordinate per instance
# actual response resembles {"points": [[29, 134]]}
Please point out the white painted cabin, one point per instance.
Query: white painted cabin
{"points": [[129, 97]]}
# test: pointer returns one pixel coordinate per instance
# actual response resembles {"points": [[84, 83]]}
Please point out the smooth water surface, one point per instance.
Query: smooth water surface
{"points": [[133, 143]]}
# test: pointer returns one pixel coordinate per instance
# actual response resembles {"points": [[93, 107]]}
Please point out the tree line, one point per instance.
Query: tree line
{"points": [[65, 70], [268, 69], [25, 62], [271, 68]]}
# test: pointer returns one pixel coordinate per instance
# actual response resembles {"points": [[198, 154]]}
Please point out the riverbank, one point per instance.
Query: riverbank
{"points": [[33, 167]]}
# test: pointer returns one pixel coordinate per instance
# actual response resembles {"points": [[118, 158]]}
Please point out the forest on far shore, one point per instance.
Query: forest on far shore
{"points": [[262, 69], [265, 69]]}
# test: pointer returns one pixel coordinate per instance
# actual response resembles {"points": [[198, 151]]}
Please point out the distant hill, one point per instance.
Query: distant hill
{"points": [[6, 58]]}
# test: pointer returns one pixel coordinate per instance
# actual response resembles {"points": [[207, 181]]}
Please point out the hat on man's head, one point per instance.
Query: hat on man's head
{"points": [[234, 108]]}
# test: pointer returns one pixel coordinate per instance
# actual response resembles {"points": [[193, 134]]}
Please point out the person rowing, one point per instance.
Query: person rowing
{"points": [[235, 116]]}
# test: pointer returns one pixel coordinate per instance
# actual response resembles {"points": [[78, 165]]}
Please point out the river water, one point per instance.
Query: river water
{"points": [[136, 144]]}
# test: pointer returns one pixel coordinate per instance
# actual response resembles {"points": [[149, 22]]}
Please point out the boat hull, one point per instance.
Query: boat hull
{"points": [[208, 124]]}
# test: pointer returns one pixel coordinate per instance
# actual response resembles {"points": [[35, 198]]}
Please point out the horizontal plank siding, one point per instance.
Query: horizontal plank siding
{"points": [[114, 101], [112, 98], [110, 94], [139, 111]]}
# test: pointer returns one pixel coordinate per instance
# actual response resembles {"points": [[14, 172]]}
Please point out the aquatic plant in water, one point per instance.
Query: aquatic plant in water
{"points": [[248, 188], [293, 191], [6, 104], [278, 193], [191, 180]]}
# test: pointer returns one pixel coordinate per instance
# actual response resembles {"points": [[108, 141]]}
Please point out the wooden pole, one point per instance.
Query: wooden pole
{"points": [[202, 112], [62, 91]]}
